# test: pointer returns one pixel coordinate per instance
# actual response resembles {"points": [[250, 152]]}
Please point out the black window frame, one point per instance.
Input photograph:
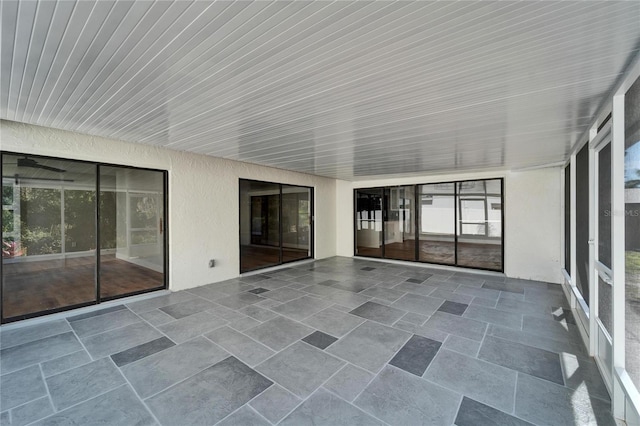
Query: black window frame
{"points": [[98, 300], [280, 230], [417, 205]]}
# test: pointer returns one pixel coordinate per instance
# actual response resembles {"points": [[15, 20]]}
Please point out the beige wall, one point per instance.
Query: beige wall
{"points": [[532, 209], [203, 196]]}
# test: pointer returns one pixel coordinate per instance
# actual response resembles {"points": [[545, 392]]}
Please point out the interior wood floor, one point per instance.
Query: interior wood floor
{"points": [[31, 287], [255, 257], [474, 255]]}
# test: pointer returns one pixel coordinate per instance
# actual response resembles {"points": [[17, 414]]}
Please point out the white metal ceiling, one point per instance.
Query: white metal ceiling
{"points": [[345, 89]]}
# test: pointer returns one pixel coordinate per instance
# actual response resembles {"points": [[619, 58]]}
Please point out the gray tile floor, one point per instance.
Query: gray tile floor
{"points": [[338, 341]]}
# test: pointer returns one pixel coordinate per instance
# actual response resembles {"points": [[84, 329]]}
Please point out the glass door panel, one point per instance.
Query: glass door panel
{"points": [[479, 226], [582, 223], [399, 223], [296, 223], [132, 231], [259, 225], [369, 222], [437, 223], [48, 235], [603, 252], [632, 232]]}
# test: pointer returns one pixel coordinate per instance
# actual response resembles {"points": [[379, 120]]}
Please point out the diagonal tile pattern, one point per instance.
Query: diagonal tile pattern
{"points": [[339, 341]]}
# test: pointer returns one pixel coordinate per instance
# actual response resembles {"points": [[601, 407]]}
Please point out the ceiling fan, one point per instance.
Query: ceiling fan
{"points": [[30, 162]]}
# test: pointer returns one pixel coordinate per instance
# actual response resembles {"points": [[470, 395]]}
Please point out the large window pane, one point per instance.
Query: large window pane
{"points": [[479, 243], [399, 223], [276, 224], [296, 223], [632, 233], [604, 234], [48, 235], [437, 223], [369, 222], [132, 231], [582, 222], [259, 225]]}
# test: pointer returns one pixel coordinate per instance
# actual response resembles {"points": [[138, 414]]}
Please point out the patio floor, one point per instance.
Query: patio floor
{"points": [[336, 341]]}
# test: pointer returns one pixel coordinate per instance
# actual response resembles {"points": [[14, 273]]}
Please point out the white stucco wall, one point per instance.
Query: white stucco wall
{"points": [[532, 209], [203, 196]]}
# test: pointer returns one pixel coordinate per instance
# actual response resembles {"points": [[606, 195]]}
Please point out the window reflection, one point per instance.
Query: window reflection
{"points": [[632, 231]]}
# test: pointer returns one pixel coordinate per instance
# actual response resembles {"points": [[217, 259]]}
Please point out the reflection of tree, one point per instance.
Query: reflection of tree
{"points": [[41, 220], [633, 183]]}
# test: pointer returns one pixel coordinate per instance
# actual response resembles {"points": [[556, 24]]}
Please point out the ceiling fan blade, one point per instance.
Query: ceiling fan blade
{"points": [[53, 169], [30, 162]]}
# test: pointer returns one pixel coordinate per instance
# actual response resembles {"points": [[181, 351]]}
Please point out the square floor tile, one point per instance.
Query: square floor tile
{"points": [[325, 409], [494, 316], [45, 349], [349, 382], [163, 369], [459, 326], [30, 412], [542, 402], [279, 332], [302, 307], [210, 395], [21, 386], [189, 327], [82, 383], [275, 403], [334, 322], [244, 323], [284, 294], [256, 312], [300, 368], [387, 294], [370, 345], [244, 416], [242, 347], [379, 313], [258, 290], [474, 413], [480, 380], [100, 411], [240, 300], [526, 359], [453, 307], [416, 355], [319, 339], [423, 305], [22, 335], [189, 307], [400, 398], [65, 362], [114, 341], [159, 301]]}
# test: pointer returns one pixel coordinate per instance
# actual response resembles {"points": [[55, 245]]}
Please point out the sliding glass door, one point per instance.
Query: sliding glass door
{"points": [[48, 235], [296, 223], [275, 224], [55, 256], [131, 231], [399, 223], [449, 223], [368, 238], [437, 218], [479, 227]]}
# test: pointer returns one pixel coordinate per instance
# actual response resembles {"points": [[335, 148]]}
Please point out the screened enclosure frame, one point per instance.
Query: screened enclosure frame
{"points": [[97, 166], [457, 230]]}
